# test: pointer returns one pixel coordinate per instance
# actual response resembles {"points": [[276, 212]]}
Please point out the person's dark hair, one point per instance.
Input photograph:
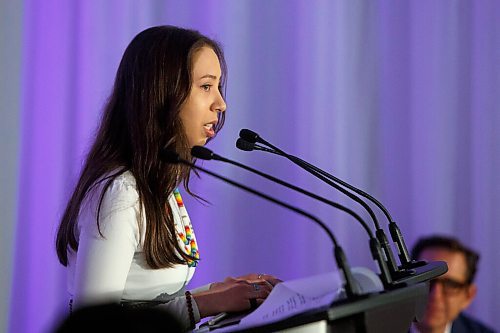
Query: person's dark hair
{"points": [[140, 120], [453, 245]]}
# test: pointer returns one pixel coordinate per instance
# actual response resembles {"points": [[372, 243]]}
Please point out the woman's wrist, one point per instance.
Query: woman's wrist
{"points": [[206, 303], [190, 301]]}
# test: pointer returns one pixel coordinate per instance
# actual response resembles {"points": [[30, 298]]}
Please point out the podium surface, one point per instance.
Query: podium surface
{"points": [[387, 311]]}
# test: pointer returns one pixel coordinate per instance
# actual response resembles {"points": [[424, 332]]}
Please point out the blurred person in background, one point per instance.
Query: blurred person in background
{"points": [[451, 293]]}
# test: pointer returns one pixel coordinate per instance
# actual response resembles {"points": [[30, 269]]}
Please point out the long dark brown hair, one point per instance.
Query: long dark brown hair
{"points": [[140, 120]]}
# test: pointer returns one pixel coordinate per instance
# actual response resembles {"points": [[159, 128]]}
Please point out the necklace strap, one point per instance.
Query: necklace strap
{"points": [[187, 235]]}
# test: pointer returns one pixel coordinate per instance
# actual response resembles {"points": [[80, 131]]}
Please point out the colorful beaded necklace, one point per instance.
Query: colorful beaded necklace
{"points": [[188, 239]]}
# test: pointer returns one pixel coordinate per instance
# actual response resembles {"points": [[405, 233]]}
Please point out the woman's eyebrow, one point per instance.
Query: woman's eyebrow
{"points": [[209, 76]]}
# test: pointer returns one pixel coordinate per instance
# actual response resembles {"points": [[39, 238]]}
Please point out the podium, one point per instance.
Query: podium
{"points": [[384, 312]]}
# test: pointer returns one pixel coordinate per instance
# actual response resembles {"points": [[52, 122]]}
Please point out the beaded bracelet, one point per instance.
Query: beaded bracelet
{"points": [[189, 302]]}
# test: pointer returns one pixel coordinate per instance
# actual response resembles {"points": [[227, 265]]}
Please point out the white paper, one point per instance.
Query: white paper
{"points": [[293, 297]]}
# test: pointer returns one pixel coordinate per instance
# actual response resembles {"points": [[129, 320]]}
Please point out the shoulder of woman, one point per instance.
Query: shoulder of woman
{"points": [[121, 192], [114, 203], [118, 193], [124, 182]]}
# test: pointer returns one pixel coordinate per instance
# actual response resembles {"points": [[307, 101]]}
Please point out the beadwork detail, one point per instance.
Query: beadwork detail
{"points": [[187, 237]]}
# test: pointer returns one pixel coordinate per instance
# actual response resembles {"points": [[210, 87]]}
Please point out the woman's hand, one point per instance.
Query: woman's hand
{"points": [[235, 294], [258, 277]]}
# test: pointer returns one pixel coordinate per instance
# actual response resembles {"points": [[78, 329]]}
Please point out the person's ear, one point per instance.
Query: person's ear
{"points": [[471, 292]]}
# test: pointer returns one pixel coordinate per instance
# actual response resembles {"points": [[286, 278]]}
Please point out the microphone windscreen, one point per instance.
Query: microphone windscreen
{"points": [[202, 153], [249, 135], [244, 145]]}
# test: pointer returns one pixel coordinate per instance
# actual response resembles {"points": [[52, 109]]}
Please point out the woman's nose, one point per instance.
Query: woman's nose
{"points": [[220, 103]]}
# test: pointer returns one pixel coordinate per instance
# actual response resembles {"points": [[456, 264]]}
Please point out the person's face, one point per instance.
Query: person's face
{"points": [[450, 294], [199, 113]]}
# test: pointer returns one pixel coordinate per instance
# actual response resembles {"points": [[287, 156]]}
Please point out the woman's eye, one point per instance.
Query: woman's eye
{"points": [[206, 87]]}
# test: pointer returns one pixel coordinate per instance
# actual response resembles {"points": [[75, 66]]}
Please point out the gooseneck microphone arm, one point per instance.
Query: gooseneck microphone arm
{"points": [[251, 138], [248, 146], [206, 154], [396, 233], [351, 286], [394, 230], [375, 248]]}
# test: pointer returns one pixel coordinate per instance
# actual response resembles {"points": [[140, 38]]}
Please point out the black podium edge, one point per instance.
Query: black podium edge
{"points": [[411, 287]]}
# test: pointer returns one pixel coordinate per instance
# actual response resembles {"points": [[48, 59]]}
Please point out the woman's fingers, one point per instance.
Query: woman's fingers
{"points": [[255, 302], [259, 290], [237, 293], [271, 279], [256, 276]]}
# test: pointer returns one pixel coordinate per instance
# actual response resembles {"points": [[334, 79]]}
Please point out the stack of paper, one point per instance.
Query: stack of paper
{"points": [[293, 297]]}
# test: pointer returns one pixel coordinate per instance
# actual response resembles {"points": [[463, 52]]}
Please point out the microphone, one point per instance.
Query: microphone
{"points": [[247, 142], [248, 146], [351, 287], [375, 248]]}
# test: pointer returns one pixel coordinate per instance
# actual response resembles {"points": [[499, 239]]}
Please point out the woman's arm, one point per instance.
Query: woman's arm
{"points": [[103, 261]]}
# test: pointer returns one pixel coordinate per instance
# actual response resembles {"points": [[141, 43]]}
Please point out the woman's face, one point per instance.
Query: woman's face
{"points": [[199, 112]]}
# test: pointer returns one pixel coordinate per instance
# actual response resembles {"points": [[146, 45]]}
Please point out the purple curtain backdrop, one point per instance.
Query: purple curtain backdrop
{"points": [[399, 98]]}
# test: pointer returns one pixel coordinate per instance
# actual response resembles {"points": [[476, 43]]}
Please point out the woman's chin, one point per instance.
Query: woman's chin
{"points": [[199, 143]]}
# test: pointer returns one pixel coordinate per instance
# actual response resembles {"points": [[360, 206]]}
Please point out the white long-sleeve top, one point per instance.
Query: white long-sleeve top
{"points": [[113, 268]]}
